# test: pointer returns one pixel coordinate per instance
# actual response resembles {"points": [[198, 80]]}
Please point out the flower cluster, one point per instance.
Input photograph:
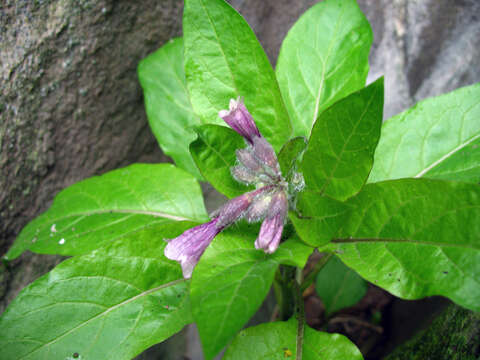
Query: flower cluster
{"points": [[257, 165]]}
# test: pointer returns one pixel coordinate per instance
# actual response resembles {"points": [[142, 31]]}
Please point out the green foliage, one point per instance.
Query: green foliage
{"points": [[277, 341], [318, 217], [339, 154], [437, 138], [224, 60], [339, 286], [214, 154], [323, 59], [119, 294], [416, 238], [289, 154], [110, 304], [231, 281], [167, 103], [99, 210]]}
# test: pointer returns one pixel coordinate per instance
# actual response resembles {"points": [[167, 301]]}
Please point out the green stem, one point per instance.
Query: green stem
{"points": [[282, 287], [300, 313], [310, 278]]}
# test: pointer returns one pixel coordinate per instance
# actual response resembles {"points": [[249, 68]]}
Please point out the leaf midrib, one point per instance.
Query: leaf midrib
{"points": [[145, 293], [446, 156], [123, 211], [324, 65]]}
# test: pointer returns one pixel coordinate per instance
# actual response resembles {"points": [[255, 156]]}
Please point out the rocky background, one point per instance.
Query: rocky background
{"points": [[71, 105]]}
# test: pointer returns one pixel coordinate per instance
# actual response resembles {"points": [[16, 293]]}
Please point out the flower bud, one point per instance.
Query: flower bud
{"points": [[236, 208], [243, 175], [259, 208], [247, 159], [264, 152]]}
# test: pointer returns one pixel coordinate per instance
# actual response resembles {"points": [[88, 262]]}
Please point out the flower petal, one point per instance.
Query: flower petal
{"points": [[240, 120], [188, 247], [272, 227]]}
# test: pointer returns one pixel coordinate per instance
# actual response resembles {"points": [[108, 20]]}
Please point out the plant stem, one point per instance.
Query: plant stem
{"points": [[300, 313], [310, 278], [282, 287]]}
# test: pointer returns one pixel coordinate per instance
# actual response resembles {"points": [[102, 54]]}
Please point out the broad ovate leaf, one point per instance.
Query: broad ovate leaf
{"points": [[110, 304], [416, 238], [437, 138], [224, 60], [317, 218], [340, 151], [339, 286], [278, 341], [228, 286], [214, 154], [167, 102], [101, 209], [323, 59]]}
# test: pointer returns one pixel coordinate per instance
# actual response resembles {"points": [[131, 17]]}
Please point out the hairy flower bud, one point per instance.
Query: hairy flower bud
{"points": [[259, 208], [236, 208], [264, 152], [244, 175], [247, 159]]}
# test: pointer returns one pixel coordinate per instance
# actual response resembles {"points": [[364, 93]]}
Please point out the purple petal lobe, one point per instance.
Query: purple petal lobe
{"points": [[272, 227], [188, 247], [240, 120]]}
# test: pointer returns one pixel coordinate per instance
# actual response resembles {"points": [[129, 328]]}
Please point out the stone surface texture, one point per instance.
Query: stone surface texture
{"points": [[71, 106]]}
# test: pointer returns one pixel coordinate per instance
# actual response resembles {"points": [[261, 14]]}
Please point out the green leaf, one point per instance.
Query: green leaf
{"points": [[214, 154], [224, 60], [340, 151], [101, 209], [228, 286], [292, 252], [317, 218], [110, 304], [339, 286], [323, 59], [289, 155], [416, 238], [167, 103], [277, 341], [437, 138]]}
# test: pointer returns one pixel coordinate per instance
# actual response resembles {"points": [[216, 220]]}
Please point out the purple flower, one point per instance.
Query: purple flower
{"points": [[240, 120], [236, 208], [257, 164], [272, 227], [188, 247]]}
